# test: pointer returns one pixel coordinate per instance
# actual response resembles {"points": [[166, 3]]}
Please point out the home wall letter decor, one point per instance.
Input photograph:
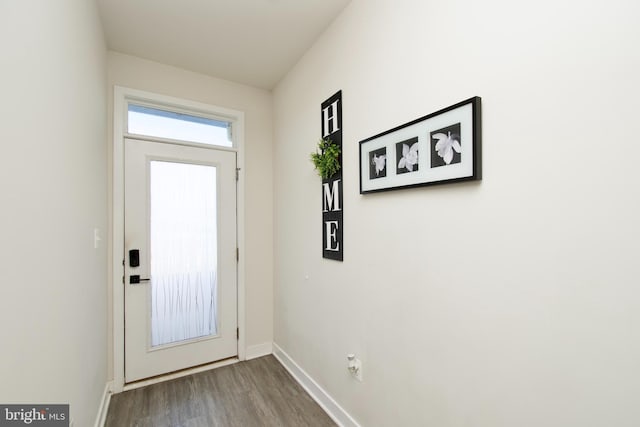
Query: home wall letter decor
{"points": [[332, 208]]}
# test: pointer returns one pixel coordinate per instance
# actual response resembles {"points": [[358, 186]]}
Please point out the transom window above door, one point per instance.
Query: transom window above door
{"points": [[154, 122]]}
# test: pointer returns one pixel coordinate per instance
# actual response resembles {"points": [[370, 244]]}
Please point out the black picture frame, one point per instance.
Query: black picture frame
{"points": [[440, 148]]}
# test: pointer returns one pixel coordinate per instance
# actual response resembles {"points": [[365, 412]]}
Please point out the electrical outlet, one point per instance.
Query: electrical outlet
{"points": [[354, 366]]}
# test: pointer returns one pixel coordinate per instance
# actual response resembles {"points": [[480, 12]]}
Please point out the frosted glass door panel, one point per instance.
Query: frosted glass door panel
{"points": [[183, 238]]}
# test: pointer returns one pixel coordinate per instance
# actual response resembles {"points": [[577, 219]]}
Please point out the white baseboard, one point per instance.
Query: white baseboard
{"points": [[326, 402], [101, 417], [259, 350]]}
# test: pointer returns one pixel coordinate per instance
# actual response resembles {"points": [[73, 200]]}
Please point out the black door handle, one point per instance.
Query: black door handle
{"points": [[135, 279]]}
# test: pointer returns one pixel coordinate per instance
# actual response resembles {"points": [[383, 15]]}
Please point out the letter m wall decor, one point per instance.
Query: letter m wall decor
{"points": [[332, 209]]}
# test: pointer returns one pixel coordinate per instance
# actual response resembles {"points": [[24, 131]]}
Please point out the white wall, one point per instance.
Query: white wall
{"points": [[53, 183], [136, 73], [508, 302]]}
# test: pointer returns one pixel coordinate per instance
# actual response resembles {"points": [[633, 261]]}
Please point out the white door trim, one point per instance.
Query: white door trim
{"points": [[121, 96]]}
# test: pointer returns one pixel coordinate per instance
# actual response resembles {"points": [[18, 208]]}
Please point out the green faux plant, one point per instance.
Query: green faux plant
{"points": [[326, 158]]}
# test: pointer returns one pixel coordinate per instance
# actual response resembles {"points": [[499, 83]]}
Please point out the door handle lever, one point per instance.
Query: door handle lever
{"points": [[135, 279]]}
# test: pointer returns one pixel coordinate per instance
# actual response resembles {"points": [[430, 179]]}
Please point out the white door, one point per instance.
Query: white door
{"points": [[180, 224]]}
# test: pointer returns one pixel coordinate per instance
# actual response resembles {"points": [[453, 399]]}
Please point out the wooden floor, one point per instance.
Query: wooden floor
{"points": [[258, 393]]}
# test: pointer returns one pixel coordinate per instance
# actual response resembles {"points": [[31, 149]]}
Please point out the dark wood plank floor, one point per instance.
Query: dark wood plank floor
{"points": [[258, 393]]}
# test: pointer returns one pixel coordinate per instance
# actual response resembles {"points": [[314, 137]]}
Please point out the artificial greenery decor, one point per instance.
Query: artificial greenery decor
{"points": [[325, 159]]}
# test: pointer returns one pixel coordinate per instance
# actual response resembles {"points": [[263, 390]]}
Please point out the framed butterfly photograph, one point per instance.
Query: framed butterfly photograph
{"points": [[439, 148]]}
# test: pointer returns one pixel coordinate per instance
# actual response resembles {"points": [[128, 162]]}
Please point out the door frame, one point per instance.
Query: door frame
{"points": [[121, 96]]}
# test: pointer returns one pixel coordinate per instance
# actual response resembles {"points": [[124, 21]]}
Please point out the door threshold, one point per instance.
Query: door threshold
{"points": [[179, 374]]}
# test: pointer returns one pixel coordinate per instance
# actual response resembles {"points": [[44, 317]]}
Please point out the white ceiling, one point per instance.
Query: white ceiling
{"points": [[254, 42]]}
